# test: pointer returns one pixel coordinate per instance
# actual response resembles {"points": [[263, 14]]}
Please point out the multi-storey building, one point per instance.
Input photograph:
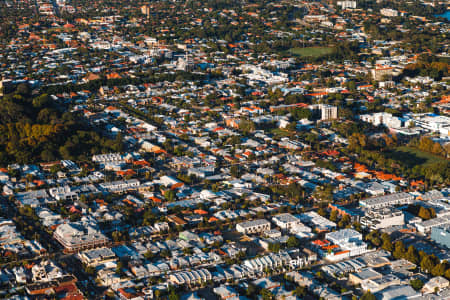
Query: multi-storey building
{"points": [[382, 218], [78, 236], [387, 200], [255, 226]]}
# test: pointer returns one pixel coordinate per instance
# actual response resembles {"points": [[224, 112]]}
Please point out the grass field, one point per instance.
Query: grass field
{"points": [[281, 132], [413, 157], [311, 51]]}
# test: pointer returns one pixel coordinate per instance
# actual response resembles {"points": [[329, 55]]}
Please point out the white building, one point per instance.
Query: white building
{"points": [[79, 236], [8, 233], [120, 186], [63, 193], [387, 200], [382, 218], [296, 259], [256, 74], [344, 235], [190, 277], [389, 12], [383, 118], [255, 226], [317, 221], [327, 112], [435, 284], [433, 123], [95, 257], [45, 271], [348, 240], [286, 221], [426, 226], [108, 158], [347, 4]]}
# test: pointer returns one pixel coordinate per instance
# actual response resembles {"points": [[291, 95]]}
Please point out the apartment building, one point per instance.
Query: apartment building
{"points": [[348, 240], [95, 257], [190, 277], [79, 236], [387, 200], [327, 112], [382, 218], [255, 226], [286, 221], [108, 158], [63, 193], [120, 186]]}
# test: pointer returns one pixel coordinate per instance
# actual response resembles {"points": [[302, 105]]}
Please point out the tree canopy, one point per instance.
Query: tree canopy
{"points": [[37, 128]]}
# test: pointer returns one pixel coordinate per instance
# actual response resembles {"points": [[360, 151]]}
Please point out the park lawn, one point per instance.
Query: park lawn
{"points": [[311, 51], [413, 157], [281, 132]]}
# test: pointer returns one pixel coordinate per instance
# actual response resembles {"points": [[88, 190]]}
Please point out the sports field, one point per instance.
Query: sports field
{"points": [[412, 156], [311, 51]]}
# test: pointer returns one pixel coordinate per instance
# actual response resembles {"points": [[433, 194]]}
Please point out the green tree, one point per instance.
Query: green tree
{"points": [[90, 271], [251, 290], [439, 270], [274, 247], [300, 291], [187, 251], [368, 296], [399, 250], [427, 264], [447, 274], [149, 255], [345, 221], [387, 243], [234, 171], [23, 89], [412, 255], [293, 242], [119, 268], [174, 296], [169, 195], [424, 213], [247, 126], [416, 284], [266, 294], [357, 142], [333, 215]]}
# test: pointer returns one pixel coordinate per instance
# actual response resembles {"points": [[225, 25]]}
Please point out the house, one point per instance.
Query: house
{"points": [[149, 147], [225, 292], [63, 193], [8, 233], [170, 182], [45, 271], [20, 275], [435, 284]]}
